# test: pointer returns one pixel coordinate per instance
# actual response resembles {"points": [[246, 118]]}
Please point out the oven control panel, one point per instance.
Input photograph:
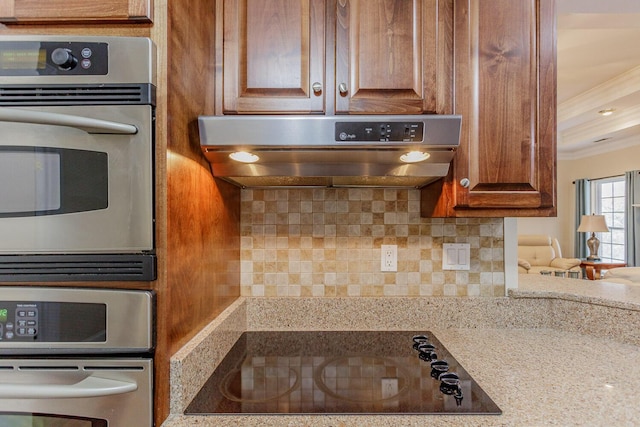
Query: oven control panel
{"points": [[53, 58], [59, 322], [41, 320], [24, 323]]}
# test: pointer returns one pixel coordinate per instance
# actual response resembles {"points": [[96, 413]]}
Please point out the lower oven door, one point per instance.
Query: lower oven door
{"points": [[76, 393]]}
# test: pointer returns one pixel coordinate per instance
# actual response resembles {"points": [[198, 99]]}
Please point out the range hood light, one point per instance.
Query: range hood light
{"points": [[244, 157], [414, 157]]}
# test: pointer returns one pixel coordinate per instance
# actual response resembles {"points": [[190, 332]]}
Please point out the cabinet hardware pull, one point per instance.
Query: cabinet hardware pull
{"points": [[342, 87]]}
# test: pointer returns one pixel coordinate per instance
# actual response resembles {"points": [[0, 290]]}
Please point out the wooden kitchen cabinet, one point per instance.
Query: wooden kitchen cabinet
{"points": [[505, 90], [335, 56], [272, 55], [63, 11], [394, 57]]}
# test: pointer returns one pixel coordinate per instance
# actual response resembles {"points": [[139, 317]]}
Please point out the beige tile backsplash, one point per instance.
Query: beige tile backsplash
{"points": [[326, 242]]}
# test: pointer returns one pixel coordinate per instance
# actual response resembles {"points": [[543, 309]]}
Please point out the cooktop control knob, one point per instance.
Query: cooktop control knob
{"points": [[419, 340], [63, 58]]}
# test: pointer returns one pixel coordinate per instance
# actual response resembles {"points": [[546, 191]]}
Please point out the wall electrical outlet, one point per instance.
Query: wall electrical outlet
{"points": [[389, 258], [389, 387]]}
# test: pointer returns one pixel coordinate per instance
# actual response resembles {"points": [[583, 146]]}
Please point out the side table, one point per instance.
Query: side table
{"points": [[593, 268]]}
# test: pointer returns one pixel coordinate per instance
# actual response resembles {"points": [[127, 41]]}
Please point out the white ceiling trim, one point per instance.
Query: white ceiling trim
{"points": [[598, 68], [598, 128], [598, 21], [598, 6], [604, 95], [596, 149]]}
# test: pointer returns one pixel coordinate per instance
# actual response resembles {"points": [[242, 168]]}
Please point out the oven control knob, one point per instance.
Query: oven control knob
{"points": [[63, 58]]}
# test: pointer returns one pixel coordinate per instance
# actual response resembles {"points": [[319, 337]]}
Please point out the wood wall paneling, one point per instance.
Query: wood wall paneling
{"points": [[203, 248], [203, 214], [197, 218]]}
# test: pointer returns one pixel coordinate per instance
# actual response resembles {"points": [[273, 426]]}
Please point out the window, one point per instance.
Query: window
{"points": [[609, 200]]}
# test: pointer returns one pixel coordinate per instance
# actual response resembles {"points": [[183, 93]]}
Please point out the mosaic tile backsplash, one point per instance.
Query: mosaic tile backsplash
{"points": [[326, 242]]}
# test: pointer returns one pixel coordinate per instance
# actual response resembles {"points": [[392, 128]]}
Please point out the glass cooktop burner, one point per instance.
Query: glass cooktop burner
{"points": [[392, 372]]}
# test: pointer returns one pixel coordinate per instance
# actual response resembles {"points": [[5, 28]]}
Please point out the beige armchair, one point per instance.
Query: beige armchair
{"points": [[538, 252]]}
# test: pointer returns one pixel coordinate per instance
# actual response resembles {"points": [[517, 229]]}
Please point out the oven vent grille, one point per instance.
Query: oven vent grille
{"points": [[107, 94], [77, 267]]}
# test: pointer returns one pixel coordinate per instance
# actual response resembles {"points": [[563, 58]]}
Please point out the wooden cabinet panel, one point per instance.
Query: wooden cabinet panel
{"points": [[394, 56], [505, 90], [273, 53], [57, 11]]}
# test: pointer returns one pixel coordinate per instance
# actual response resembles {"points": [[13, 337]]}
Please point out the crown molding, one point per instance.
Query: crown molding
{"points": [[599, 97], [599, 148], [599, 127]]}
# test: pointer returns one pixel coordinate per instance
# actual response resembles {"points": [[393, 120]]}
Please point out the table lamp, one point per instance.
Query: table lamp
{"points": [[592, 224]]}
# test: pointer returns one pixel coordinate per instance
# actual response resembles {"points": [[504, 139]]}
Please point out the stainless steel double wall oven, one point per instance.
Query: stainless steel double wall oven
{"points": [[76, 158]]}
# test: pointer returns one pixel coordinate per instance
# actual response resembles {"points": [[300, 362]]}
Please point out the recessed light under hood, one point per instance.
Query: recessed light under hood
{"points": [[330, 151]]}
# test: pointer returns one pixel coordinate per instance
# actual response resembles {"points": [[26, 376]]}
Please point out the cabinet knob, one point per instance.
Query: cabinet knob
{"points": [[342, 87], [317, 87], [465, 182]]}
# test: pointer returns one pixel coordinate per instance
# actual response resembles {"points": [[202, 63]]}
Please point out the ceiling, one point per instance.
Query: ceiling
{"points": [[598, 68]]}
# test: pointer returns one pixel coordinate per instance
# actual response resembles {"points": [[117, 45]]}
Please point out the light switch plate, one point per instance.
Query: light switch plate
{"points": [[456, 256]]}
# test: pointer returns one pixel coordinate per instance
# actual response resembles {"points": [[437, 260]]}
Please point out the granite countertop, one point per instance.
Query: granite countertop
{"points": [[598, 292], [539, 375]]}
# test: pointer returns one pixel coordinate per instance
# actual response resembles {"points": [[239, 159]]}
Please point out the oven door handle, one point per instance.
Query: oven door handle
{"points": [[86, 124], [88, 387]]}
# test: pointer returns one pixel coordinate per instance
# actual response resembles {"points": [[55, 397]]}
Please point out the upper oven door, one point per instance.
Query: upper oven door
{"points": [[76, 179]]}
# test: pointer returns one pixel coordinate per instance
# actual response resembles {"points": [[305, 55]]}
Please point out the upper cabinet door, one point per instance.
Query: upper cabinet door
{"points": [[273, 56], [57, 11], [506, 92], [394, 56], [505, 80]]}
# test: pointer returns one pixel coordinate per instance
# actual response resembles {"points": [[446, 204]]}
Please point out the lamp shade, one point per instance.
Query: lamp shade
{"points": [[593, 224]]}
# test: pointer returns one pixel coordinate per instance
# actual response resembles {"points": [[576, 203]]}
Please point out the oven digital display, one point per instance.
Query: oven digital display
{"points": [[23, 59], [3, 315]]}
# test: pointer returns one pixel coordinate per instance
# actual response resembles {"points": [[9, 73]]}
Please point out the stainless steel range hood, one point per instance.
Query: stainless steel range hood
{"points": [[330, 151]]}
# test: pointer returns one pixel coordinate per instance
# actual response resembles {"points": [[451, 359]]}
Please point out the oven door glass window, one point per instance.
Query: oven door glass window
{"points": [[45, 420], [51, 181]]}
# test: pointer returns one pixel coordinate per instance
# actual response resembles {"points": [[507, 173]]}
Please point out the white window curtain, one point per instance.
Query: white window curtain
{"points": [[632, 214], [583, 205]]}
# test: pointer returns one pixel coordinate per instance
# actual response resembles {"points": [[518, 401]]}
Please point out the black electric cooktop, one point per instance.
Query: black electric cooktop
{"points": [[319, 372]]}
